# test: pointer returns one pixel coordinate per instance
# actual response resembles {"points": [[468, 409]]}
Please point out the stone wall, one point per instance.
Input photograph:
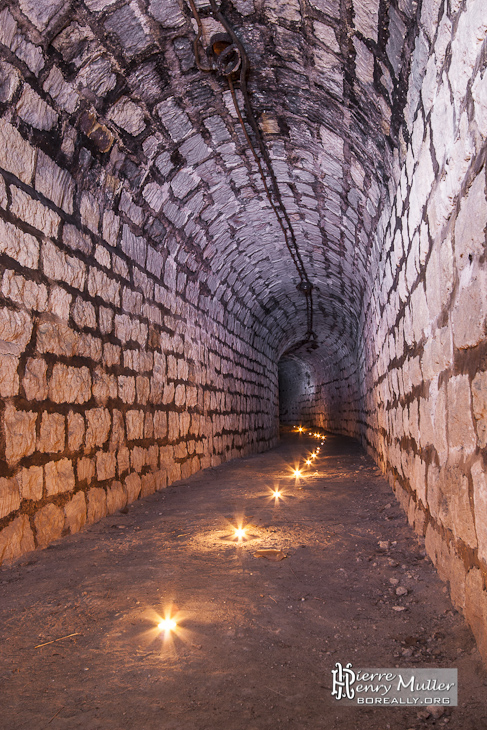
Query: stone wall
{"points": [[121, 367], [420, 407], [424, 323]]}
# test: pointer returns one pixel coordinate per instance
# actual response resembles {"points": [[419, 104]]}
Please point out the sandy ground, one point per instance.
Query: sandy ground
{"points": [[256, 639]]}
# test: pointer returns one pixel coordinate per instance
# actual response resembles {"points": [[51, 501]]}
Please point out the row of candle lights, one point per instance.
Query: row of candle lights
{"points": [[169, 624]]}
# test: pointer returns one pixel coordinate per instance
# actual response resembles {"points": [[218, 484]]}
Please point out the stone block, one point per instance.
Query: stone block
{"points": [[54, 183], [15, 331], [49, 524], [89, 211], [127, 116], [33, 212], [456, 577], [366, 17], [76, 240], [126, 388], [85, 470], [134, 421], [9, 496], [57, 338], [461, 433], [186, 469], [76, 430], [148, 426], [106, 464], [180, 450], [123, 458], [111, 227], [70, 384], [62, 93], [90, 347], [184, 423], [479, 480], [101, 285], [103, 256], [174, 473], [127, 25], [9, 81], [59, 303], [31, 55], [105, 318], [117, 437], [174, 119], [452, 504], [16, 155], [138, 458], [59, 266], [20, 246], [116, 497], [52, 435], [111, 355], [479, 94], [148, 485], [160, 424], [59, 477], [75, 513], [104, 386], [30, 482], [153, 457], [97, 505], [479, 403], [437, 353], [98, 427], [41, 12], [133, 486], [476, 608], [135, 247], [15, 540], [469, 313], [9, 379], [84, 313], [143, 389], [20, 434], [168, 394], [173, 426], [34, 111]]}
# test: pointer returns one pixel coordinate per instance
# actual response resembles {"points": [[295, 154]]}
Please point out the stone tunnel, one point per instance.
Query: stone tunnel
{"points": [[213, 216]]}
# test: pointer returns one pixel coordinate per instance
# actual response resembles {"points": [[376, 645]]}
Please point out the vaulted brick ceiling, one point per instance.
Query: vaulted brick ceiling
{"points": [[328, 81]]}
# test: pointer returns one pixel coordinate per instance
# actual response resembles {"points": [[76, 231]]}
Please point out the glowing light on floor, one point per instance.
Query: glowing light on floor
{"points": [[297, 473], [167, 624], [308, 462], [240, 533], [276, 494]]}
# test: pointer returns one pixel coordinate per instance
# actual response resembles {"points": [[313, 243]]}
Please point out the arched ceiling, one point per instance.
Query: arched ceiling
{"points": [[327, 84]]}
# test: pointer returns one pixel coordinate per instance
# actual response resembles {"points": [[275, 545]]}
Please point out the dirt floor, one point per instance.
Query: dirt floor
{"points": [[256, 639]]}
